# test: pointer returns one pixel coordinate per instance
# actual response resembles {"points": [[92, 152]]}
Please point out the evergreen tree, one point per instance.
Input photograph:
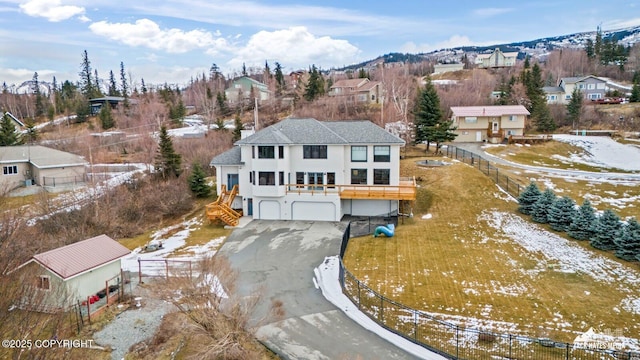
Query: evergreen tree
{"points": [[427, 114], [635, 92], [221, 102], [628, 241], [8, 134], [542, 207], [528, 198], [444, 132], [197, 182], [562, 213], [124, 86], [32, 133], [574, 107], [362, 74], [605, 230], [582, 226], [244, 70], [86, 80], [280, 85], [96, 87], [83, 110], [40, 108], [144, 87], [237, 130], [315, 85], [113, 87], [168, 162], [106, 118]]}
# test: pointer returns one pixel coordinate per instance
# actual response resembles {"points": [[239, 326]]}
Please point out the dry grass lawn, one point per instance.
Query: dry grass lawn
{"points": [[456, 265]]}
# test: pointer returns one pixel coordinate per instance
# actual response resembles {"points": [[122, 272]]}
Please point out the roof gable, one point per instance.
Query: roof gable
{"points": [[350, 83], [76, 258]]}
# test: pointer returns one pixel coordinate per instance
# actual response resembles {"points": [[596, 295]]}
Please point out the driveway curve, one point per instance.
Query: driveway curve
{"points": [[279, 258]]}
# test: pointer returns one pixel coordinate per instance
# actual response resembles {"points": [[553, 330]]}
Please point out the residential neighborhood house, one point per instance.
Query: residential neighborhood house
{"points": [[591, 87], [247, 89], [360, 90], [26, 165], [114, 101], [71, 274], [491, 124], [496, 59], [16, 122], [305, 169]]}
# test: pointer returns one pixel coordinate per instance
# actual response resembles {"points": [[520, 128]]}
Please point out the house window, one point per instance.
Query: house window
{"points": [[465, 133], [510, 132], [358, 153], [382, 153], [281, 178], [317, 179], [253, 177], [580, 86], [358, 176], [514, 118], [44, 282], [595, 96], [381, 176], [331, 180], [567, 97], [267, 178], [299, 178], [471, 119], [253, 152], [591, 86], [281, 152], [315, 151], [10, 170], [266, 152]]}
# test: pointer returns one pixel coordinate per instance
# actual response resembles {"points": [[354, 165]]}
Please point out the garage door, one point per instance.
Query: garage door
{"points": [[269, 210], [307, 210]]}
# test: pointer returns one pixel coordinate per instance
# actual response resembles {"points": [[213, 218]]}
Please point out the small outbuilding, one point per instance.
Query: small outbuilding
{"points": [[59, 278]]}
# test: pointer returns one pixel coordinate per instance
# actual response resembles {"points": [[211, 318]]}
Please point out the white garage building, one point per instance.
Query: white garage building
{"points": [[305, 169]]}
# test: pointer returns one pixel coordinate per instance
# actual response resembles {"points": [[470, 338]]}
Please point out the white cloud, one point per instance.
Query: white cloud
{"points": [[295, 47], [453, 42], [16, 76], [490, 12], [53, 10], [147, 33]]}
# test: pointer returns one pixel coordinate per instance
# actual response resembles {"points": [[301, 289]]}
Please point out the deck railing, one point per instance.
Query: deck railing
{"points": [[405, 190]]}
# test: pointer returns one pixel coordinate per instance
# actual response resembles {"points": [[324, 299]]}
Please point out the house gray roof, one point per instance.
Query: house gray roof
{"points": [[552, 89], [575, 79], [311, 131], [229, 157], [76, 258], [40, 156]]}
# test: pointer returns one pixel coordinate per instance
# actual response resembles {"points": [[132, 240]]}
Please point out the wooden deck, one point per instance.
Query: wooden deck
{"points": [[405, 190]]}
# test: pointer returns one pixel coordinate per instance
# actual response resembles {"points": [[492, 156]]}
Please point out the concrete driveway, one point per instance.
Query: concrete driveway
{"points": [[279, 257]]}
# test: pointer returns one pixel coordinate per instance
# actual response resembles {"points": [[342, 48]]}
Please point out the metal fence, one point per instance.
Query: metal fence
{"points": [[456, 341], [510, 185], [63, 180]]}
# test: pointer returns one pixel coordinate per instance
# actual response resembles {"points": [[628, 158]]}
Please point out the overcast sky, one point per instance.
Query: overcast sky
{"points": [[172, 41]]}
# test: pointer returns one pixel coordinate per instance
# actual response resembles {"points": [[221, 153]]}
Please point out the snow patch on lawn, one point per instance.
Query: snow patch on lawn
{"points": [[563, 255], [601, 151]]}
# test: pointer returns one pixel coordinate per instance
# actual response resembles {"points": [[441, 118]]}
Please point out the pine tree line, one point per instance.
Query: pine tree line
{"points": [[605, 232]]}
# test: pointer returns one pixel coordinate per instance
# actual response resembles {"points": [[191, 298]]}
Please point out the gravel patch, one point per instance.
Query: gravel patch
{"points": [[134, 325]]}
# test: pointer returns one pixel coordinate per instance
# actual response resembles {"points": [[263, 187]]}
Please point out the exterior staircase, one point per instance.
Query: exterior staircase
{"points": [[221, 208]]}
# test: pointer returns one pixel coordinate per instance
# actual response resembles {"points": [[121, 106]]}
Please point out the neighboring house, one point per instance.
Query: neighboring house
{"points": [[247, 89], [27, 165], [497, 59], [70, 274], [305, 169], [358, 90], [16, 122], [114, 101], [443, 68], [488, 123], [591, 87]]}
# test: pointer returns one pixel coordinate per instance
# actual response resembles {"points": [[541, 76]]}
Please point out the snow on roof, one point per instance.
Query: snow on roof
{"points": [[76, 258], [494, 110]]}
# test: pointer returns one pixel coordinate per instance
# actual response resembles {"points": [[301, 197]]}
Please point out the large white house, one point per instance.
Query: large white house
{"points": [[305, 169]]}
